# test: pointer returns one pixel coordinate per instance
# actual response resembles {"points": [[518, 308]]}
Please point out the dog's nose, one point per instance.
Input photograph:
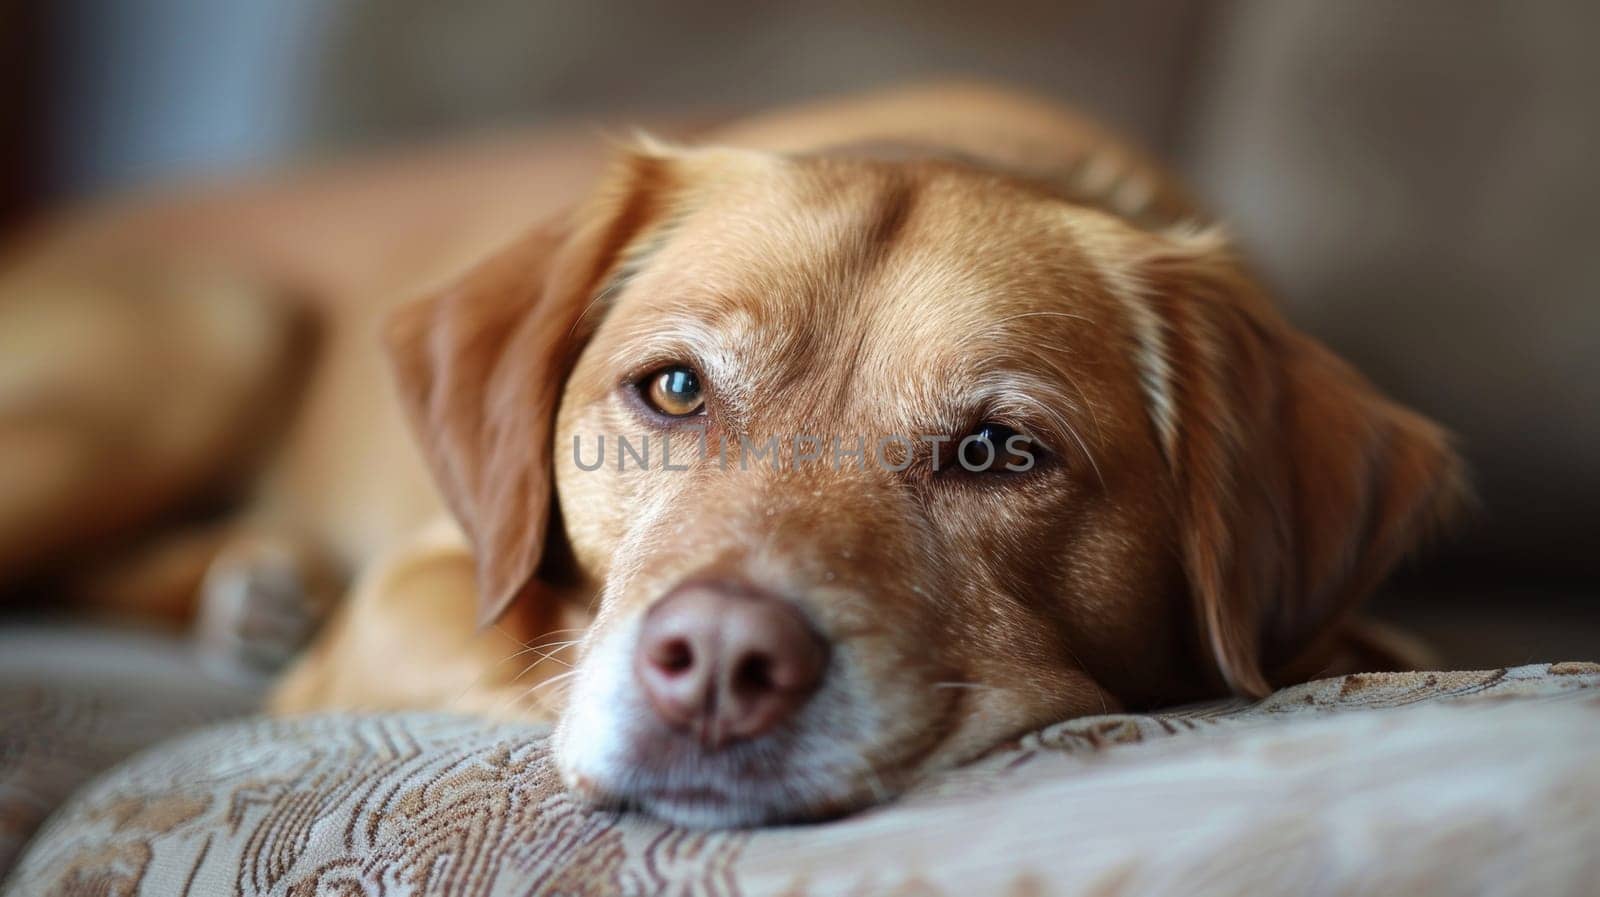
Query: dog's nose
{"points": [[726, 663]]}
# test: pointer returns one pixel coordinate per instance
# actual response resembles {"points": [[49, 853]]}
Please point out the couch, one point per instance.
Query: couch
{"points": [[1399, 783]]}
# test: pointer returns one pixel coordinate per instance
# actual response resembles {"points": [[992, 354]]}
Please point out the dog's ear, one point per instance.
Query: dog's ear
{"points": [[480, 367], [1298, 485]]}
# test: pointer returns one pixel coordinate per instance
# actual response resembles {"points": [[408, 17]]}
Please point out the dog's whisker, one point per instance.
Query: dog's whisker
{"points": [[539, 647], [564, 643], [559, 677], [533, 690], [550, 648], [548, 655], [528, 693], [529, 648], [488, 671], [522, 698]]}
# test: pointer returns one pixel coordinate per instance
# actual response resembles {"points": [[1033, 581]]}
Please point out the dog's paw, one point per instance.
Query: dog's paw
{"points": [[260, 603]]}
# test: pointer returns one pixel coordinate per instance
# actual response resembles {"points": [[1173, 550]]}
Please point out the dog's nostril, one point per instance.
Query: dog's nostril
{"points": [[674, 656], [753, 675], [726, 663]]}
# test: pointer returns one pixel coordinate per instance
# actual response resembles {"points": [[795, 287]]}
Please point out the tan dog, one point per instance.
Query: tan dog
{"points": [[802, 596]]}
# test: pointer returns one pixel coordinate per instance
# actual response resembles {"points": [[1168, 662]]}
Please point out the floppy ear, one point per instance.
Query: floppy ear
{"points": [[480, 367], [1299, 485]]}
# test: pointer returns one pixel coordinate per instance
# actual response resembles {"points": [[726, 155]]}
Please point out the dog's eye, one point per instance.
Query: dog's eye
{"points": [[675, 391], [992, 447]]}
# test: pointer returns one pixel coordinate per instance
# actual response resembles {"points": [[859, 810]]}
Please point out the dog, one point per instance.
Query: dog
{"points": [[922, 419]]}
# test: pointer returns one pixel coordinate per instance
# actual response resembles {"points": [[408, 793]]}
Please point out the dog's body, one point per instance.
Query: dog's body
{"points": [[1209, 496]]}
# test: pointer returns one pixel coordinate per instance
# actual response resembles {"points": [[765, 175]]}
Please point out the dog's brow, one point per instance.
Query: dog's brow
{"points": [[715, 346], [1035, 403]]}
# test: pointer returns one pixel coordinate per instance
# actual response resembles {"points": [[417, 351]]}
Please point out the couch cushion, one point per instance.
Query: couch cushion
{"points": [[75, 701], [1468, 782]]}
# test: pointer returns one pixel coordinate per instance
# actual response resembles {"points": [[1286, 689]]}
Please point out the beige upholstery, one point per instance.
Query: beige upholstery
{"points": [[75, 701], [1421, 783]]}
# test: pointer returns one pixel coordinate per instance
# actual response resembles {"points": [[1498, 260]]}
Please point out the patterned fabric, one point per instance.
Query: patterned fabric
{"points": [[74, 702], [1467, 783]]}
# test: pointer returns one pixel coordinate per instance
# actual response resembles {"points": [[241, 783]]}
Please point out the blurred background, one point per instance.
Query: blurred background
{"points": [[1417, 180]]}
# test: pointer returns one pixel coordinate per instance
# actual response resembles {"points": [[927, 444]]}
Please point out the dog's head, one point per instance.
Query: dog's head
{"points": [[918, 457]]}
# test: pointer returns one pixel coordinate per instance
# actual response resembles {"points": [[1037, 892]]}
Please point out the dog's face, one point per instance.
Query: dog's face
{"points": [[918, 457]]}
